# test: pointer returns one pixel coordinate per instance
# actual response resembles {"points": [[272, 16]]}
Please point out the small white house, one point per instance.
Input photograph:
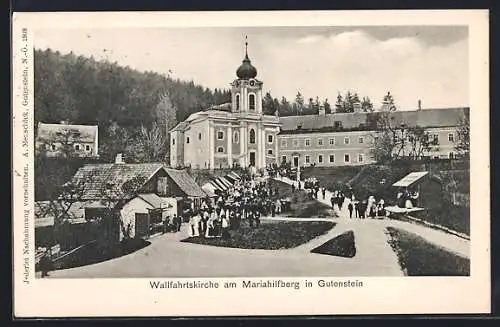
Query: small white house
{"points": [[144, 211]]}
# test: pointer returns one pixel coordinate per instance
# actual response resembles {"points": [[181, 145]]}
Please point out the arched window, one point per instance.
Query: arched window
{"points": [[251, 102], [237, 102], [220, 150], [252, 136], [236, 137]]}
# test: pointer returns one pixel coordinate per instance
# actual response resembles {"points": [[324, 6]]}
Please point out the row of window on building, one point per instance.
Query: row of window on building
{"points": [[320, 141], [236, 137], [251, 102], [331, 158], [76, 147], [347, 140]]}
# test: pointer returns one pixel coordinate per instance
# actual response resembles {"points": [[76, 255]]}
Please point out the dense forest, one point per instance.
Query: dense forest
{"points": [[133, 108]]}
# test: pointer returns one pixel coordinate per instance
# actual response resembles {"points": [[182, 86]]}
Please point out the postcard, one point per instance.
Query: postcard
{"points": [[251, 163]]}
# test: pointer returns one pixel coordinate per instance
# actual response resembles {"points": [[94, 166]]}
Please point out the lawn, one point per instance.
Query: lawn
{"points": [[418, 257], [302, 206], [453, 217], [340, 246], [271, 235]]}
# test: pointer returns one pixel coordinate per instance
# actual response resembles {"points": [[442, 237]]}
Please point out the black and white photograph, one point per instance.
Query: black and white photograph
{"points": [[335, 151]]}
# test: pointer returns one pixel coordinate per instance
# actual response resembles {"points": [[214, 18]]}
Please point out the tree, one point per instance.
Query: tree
{"points": [[299, 103], [462, 144], [387, 135], [339, 105], [268, 104], [366, 105], [326, 104], [150, 144], [285, 107]]}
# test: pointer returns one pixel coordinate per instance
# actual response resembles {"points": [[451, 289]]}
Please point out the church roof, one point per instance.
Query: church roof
{"points": [[363, 121]]}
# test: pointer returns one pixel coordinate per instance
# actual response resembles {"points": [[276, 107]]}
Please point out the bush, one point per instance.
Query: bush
{"points": [[340, 246]]}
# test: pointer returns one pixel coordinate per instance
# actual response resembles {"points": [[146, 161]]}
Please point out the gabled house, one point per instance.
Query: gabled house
{"points": [[58, 140], [140, 195]]}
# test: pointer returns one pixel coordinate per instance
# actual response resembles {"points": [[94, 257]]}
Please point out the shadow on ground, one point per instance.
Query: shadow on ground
{"points": [[96, 252]]}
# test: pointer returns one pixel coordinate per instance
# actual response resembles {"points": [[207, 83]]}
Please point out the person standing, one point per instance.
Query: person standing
{"points": [[350, 207], [324, 193]]}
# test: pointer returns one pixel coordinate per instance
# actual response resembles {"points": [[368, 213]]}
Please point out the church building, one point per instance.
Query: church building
{"points": [[229, 135], [239, 134]]}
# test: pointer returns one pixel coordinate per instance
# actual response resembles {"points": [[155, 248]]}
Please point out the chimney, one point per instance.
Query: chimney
{"points": [[119, 159], [322, 110], [419, 104], [357, 107]]}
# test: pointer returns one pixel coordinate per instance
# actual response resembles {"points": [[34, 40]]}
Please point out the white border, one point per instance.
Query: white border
{"points": [[133, 297]]}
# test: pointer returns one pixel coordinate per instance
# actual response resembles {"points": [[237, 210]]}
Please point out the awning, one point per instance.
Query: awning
{"points": [[209, 188], [217, 185], [410, 179], [221, 185], [225, 182], [234, 175]]}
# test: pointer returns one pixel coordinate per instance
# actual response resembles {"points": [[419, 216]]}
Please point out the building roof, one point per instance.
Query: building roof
{"points": [[66, 133], [410, 179], [362, 121], [154, 200], [95, 176], [185, 182]]}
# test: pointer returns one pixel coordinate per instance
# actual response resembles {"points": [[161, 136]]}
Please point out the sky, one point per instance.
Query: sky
{"points": [[427, 63]]}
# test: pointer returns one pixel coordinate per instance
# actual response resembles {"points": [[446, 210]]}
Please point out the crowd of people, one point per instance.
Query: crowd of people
{"points": [[366, 208], [246, 202]]}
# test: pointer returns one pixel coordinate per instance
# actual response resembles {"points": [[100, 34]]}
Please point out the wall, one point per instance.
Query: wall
{"points": [[127, 213], [197, 151]]}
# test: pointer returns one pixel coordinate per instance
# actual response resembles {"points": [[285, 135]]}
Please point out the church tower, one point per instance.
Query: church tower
{"points": [[246, 90]]}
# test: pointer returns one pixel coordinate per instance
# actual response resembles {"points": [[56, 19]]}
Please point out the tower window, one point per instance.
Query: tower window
{"points": [[199, 136], [220, 135], [270, 151], [187, 139], [220, 150], [252, 136], [236, 137], [237, 100], [270, 138], [173, 141], [251, 102]]}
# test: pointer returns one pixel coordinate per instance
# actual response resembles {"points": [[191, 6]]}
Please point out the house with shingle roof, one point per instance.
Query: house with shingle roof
{"points": [[144, 194], [64, 139]]}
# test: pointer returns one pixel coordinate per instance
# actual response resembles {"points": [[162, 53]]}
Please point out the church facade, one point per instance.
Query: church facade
{"points": [[229, 135]]}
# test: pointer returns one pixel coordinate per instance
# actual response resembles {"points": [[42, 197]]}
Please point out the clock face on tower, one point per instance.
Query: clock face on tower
{"points": [[252, 82]]}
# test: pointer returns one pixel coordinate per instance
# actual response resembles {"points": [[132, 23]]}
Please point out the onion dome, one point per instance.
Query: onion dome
{"points": [[246, 70]]}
